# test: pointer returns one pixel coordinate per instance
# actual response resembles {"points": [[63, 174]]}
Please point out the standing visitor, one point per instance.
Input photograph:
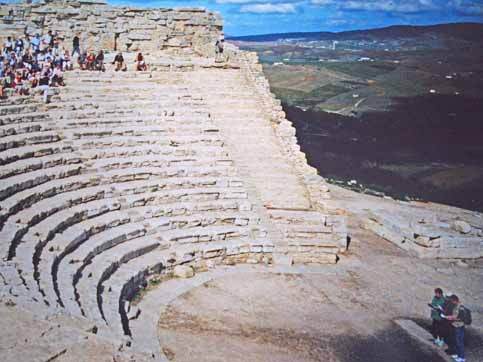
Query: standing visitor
{"points": [[437, 328], [44, 81], [219, 48], [457, 319], [76, 45]]}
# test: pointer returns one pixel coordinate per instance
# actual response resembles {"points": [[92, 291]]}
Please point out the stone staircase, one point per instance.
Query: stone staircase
{"points": [[124, 176]]}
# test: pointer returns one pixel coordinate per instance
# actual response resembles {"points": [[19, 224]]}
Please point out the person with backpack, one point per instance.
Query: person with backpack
{"points": [[437, 327], [459, 317]]}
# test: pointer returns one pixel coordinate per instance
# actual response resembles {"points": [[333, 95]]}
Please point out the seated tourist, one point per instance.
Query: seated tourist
{"points": [[8, 45], [18, 84], [82, 60], [66, 61], [119, 62], [140, 63], [33, 79], [100, 61], [57, 77], [91, 61]]}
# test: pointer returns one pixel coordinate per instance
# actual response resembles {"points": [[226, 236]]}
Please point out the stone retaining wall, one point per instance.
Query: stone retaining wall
{"points": [[100, 26]]}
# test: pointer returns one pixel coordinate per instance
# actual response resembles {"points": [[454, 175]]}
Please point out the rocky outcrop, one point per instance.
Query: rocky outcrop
{"points": [[100, 26]]}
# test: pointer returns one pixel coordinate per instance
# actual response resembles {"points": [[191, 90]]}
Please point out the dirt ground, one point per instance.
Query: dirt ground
{"points": [[341, 313]]}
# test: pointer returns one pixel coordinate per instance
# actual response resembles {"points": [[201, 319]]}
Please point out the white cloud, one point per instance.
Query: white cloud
{"points": [[238, 1], [322, 2], [268, 8], [398, 6], [467, 7]]}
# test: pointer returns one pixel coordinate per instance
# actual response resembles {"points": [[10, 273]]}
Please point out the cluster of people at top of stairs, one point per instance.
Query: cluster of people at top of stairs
{"points": [[449, 317], [39, 62]]}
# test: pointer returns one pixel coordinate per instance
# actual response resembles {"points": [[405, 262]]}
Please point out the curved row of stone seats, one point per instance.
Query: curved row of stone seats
{"points": [[172, 227], [33, 138], [19, 108], [17, 183], [106, 263], [129, 141], [132, 94], [132, 276], [21, 128], [15, 141], [44, 114], [18, 118], [39, 150], [111, 183], [71, 265], [152, 130], [30, 127], [152, 154], [131, 112], [195, 119], [123, 147], [119, 107], [104, 136], [11, 186], [34, 219]]}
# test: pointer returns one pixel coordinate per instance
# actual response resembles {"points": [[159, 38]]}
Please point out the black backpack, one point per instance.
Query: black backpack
{"points": [[466, 315]]}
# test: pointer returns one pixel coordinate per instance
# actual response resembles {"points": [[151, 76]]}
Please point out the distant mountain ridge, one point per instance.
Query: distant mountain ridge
{"points": [[465, 31]]}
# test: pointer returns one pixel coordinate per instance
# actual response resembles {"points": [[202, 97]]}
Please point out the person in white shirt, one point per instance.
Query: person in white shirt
{"points": [[47, 40], [8, 45]]}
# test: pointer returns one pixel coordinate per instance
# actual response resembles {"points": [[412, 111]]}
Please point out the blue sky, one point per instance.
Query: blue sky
{"points": [[246, 17]]}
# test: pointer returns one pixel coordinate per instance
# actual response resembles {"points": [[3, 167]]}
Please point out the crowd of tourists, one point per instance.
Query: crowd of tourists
{"points": [[449, 317], [39, 62]]}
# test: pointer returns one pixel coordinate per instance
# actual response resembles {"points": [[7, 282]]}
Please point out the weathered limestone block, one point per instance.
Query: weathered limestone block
{"points": [[183, 271], [139, 36], [44, 10], [177, 43], [139, 25], [461, 226], [67, 13]]}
